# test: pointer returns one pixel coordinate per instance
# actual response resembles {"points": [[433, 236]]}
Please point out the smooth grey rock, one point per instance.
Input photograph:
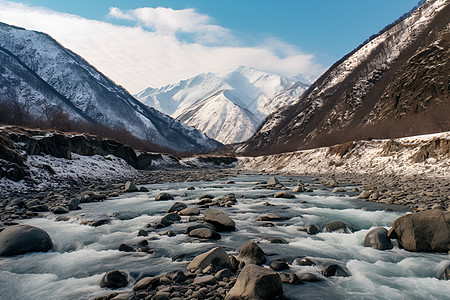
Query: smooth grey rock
{"points": [[190, 211], [334, 270], [279, 265], [312, 229], [284, 195], [21, 239], [377, 238], [146, 283]]}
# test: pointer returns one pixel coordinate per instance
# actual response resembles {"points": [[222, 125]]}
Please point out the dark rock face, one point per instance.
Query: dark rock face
{"points": [[114, 280], [377, 238], [220, 220], [379, 97], [426, 231], [21, 239], [339, 226], [256, 282], [251, 253]]}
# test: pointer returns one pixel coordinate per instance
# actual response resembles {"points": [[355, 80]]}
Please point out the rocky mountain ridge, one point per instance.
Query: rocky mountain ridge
{"points": [[40, 75], [393, 85]]}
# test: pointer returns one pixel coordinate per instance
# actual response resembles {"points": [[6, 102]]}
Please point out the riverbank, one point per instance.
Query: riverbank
{"points": [[411, 171]]}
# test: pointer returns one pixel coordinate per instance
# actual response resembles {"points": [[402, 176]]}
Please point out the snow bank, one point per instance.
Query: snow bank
{"points": [[395, 156]]}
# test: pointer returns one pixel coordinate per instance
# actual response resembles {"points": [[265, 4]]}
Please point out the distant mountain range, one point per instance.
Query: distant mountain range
{"points": [[228, 108], [38, 73], [395, 84]]}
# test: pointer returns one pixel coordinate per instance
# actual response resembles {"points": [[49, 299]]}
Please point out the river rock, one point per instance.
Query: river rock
{"points": [[279, 265], [299, 188], [114, 280], [377, 238], [444, 273], [217, 257], [130, 187], [59, 210], [338, 190], [224, 273], [275, 240], [189, 211], [205, 233], [270, 217], [21, 239], [196, 226], [425, 231], [290, 278], [364, 195], [163, 197], [205, 280], [126, 248], [284, 195], [220, 220], [312, 229], [176, 207], [304, 261], [251, 253], [334, 270], [255, 282], [273, 181], [310, 277], [338, 226]]}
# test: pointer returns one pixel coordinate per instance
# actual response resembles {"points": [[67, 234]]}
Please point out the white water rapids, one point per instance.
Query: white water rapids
{"points": [[82, 254]]}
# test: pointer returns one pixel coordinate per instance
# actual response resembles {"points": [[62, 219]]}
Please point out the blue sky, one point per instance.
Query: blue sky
{"points": [[327, 28], [307, 36]]}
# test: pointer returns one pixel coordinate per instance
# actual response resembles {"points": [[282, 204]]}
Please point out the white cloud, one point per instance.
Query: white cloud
{"points": [[150, 53]]}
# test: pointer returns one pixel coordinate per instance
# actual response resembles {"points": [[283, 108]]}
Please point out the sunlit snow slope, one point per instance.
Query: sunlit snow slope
{"points": [[228, 108]]}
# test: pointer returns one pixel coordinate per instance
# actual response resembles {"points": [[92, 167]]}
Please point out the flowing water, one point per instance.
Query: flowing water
{"points": [[82, 254]]}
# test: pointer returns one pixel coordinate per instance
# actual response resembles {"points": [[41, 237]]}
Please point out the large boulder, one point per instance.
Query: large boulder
{"points": [[216, 257], [377, 238], [444, 272], [425, 231], [251, 253], [219, 219], [21, 239], [114, 280], [255, 282]]}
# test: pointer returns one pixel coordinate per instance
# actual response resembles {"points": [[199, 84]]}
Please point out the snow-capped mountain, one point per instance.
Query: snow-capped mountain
{"points": [[39, 73], [394, 84], [228, 108]]}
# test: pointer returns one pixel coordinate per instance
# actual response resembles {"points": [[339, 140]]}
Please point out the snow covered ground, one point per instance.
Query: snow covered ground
{"points": [[365, 157], [79, 168]]}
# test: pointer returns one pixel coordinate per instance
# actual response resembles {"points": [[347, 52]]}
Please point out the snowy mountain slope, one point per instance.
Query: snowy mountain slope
{"points": [[90, 94], [356, 97], [228, 108]]}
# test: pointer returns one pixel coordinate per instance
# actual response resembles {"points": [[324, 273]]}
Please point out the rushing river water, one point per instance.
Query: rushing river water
{"points": [[82, 254]]}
